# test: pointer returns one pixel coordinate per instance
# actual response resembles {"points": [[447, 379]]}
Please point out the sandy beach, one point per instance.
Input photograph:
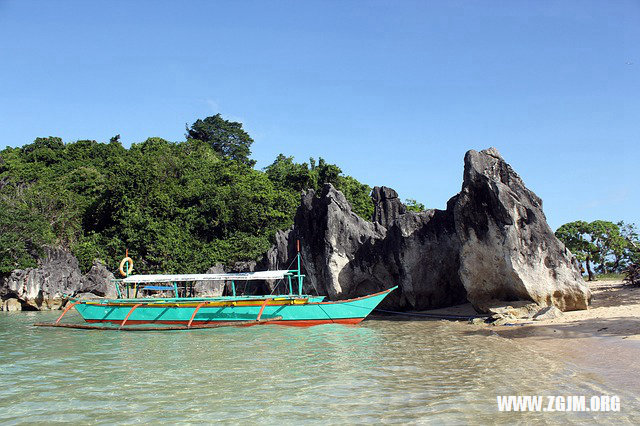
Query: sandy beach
{"points": [[605, 339]]}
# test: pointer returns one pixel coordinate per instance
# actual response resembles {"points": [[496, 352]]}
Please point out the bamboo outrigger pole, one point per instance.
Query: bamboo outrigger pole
{"points": [[215, 324]]}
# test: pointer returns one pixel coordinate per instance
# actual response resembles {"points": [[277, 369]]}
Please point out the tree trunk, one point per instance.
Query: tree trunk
{"points": [[589, 271], [616, 265]]}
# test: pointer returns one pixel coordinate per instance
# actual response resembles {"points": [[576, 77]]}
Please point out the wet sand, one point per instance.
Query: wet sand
{"points": [[604, 340]]}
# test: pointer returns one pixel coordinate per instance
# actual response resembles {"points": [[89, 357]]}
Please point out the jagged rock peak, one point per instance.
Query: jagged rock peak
{"points": [[387, 205], [491, 243], [508, 251]]}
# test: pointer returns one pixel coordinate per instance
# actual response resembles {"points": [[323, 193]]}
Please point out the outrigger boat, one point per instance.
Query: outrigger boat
{"points": [[182, 312]]}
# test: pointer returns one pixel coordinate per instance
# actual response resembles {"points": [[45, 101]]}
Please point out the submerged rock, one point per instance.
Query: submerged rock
{"points": [[516, 309], [491, 243]]}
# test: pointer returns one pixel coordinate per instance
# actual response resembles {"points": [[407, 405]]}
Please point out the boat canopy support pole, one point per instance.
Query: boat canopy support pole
{"points": [[233, 288], [200, 305], [299, 271], [66, 310], [136, 306], [175, 289]]}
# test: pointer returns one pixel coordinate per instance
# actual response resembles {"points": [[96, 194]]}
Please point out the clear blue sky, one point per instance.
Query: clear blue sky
{"points": [[395, 92]]}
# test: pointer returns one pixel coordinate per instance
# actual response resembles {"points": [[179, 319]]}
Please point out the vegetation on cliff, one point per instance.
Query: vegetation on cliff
{"points": [[177, 206]]}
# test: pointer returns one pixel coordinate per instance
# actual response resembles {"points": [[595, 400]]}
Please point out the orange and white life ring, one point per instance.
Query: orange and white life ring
{"points": [[129, 269]]}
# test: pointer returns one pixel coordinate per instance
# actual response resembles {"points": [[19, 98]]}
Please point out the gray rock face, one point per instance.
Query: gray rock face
{"points": [[387, 205], [346, 256], [56, 275], [210, 288], [491, 243], [43, 287], [508, 250], [98, 281], [11, 305]]}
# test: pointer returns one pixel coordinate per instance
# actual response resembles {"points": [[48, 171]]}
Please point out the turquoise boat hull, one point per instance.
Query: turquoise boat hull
{"points": [[286, 310]]}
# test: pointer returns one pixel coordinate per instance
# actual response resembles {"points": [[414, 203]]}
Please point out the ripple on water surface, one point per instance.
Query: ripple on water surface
{"points": [[392, 371]]}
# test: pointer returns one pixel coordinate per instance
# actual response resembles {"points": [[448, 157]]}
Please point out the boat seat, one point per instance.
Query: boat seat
{"points": [[157, 287]]}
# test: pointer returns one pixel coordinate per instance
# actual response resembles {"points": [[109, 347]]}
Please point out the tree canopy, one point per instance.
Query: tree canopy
{"points": [[177, 206], [228, 138], [608, 247]]}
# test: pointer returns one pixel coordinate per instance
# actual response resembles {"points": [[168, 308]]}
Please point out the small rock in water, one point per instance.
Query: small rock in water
{"points": [[502, 321], [550, 312], [477, 321]]}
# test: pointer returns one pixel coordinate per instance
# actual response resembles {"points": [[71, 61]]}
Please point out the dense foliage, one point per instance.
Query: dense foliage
{"points": [[177, 206], [603, 246]]}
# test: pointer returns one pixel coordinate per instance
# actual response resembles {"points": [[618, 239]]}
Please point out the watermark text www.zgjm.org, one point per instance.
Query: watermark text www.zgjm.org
{"points": [[558, 403]]}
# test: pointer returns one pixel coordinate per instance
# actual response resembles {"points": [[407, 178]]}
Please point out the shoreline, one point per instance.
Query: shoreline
{"points": [[603, 340]]}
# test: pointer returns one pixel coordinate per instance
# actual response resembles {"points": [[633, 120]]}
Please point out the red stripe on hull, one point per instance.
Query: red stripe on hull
{"points": [[291, 323]]}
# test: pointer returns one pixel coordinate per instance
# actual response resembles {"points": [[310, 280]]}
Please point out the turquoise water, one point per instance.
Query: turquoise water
{"points": [[379, 371]]}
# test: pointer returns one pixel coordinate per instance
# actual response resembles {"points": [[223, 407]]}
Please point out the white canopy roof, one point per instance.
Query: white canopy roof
{"points": [[239, 276]]}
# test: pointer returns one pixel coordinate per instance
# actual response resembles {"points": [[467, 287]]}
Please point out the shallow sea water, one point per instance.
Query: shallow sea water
{"points": [[379, 371]]}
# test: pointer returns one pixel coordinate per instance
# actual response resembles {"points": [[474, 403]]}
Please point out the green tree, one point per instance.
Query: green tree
{"points": [[608, 246], [295, 177], [226, 137], [285, 173], [629, 232], [414, 206], [177, 206], [576, 237]]}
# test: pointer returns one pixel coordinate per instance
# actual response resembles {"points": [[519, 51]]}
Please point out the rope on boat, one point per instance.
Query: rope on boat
{"points": [[434, 316]]}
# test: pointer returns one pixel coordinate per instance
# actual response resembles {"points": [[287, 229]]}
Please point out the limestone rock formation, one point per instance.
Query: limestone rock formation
{"points": [[492, 243], [508, 250], [56, 275], [11, 305], [387, 205], [43, 287], [210, 288], [347, 256], [98, 281]]}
